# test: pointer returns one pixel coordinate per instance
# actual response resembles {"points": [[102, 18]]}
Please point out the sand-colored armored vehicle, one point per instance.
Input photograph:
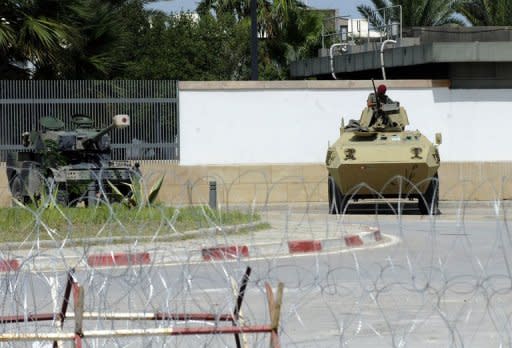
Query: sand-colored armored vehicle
{"points": [[76, 163], [376, 157]]}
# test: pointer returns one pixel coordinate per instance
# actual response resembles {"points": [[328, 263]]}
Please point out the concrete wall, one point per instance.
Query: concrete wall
{"points": [[278, 183], [292, 183], [265, 142], [292, 122]]}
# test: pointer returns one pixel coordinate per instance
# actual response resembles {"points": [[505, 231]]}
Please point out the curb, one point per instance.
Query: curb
{"points": [[365, 238], [118, 259], [225, 252], [9, 265]]}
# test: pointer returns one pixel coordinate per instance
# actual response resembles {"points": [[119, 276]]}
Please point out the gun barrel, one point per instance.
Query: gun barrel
{"points": [[118, 121], [102, 132]]}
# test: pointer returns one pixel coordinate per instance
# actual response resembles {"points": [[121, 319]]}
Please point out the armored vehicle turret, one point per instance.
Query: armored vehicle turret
{"points": [[376, 157], [76, 162]]}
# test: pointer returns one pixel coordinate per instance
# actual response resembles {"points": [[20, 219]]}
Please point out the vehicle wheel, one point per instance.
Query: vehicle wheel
{"points": [[73, 200], [90, 198], [336, 199], [63, 197], [17, 190], [429, 202]]}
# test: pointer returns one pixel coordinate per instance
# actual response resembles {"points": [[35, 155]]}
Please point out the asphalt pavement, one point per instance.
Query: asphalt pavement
{"points": [[439, 280]]}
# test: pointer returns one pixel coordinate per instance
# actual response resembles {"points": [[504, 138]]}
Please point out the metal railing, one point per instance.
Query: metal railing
{"points": [[335, 30], [392, 19], [344, 29], [152, 106]]}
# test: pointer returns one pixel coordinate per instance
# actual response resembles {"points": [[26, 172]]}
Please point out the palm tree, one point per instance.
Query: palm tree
{"points": [[486, 12], [272, 14], [77, 39], [238, 8], [414, 12], [98, 32], [29, 35], [290, 30]]}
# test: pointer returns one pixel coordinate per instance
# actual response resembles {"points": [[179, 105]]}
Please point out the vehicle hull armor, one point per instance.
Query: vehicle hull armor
{"points": [[381, 160], [74, 164]]}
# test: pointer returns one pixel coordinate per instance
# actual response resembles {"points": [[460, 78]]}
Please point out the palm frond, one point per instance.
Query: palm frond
{"points": [[486, 12], [7, 37], [372, 15]]}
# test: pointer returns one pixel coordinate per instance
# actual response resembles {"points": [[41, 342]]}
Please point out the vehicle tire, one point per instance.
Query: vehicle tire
{"points": [[429, 202], [336, 199], [62, 197], [17, 190], [73, 200]]}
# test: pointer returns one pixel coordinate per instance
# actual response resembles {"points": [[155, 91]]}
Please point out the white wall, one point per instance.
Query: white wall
{"points": [[256, 126]]}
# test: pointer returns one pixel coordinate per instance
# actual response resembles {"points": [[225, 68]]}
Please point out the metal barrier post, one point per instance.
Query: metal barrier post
{"points": [[212, 202], [73, 288]]}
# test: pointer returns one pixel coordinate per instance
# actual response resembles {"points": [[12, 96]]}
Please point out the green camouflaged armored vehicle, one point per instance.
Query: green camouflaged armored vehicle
{"points": [[376, 157], [75, 163]]}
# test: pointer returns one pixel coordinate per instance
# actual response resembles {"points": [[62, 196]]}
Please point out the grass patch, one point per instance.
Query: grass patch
{"points": [[18, 224], [258, 226]]}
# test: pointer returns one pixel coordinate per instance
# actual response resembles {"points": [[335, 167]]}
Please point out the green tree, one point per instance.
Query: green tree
{"points": [[299, 37], [73, 39], [92, 55], [185, 47], [100, 43], [414, 12], [288, 28], [486, 12]]}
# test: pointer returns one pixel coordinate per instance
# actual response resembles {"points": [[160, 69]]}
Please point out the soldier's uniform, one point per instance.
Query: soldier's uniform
{"points": [[381, 94], [372, 103]]}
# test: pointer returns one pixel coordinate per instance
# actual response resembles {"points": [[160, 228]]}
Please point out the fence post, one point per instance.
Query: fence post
{"points": [[78, 299], [274, 308]]}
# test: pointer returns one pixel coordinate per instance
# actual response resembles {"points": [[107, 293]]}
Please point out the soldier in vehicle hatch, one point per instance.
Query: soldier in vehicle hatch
{"points": [[381, 94], [377, 107]]}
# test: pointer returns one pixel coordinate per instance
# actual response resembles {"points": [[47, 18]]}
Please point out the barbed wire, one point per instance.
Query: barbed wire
{"points": [[442, 280]]}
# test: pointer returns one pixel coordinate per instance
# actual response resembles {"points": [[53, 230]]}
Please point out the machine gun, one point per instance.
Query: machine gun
{"points": [[379, 112]]}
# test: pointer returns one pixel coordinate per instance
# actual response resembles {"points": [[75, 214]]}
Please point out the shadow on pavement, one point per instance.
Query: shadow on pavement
{"points": [[384, 208]]}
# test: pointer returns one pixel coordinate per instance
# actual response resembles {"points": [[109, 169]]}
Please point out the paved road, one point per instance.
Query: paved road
{"points": [[447, 283]]}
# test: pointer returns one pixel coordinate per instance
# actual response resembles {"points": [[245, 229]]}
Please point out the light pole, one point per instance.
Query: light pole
{"points": [[254, 41]]}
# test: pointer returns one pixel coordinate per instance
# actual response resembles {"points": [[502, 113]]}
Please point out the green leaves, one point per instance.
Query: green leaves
{"points": [[442, 12], [291, 31], [184, 47], [7, 35], [107, 39], [29, 35], [414, 13], [74, 39], [138, 196], [486, 12], [155, 189]]}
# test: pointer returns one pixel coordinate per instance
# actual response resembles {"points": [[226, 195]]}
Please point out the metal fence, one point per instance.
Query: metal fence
{"points": [[152, 106]]}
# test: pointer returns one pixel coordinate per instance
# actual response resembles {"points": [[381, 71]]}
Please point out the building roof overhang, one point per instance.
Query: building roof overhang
{"points": [[428, 53]]}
